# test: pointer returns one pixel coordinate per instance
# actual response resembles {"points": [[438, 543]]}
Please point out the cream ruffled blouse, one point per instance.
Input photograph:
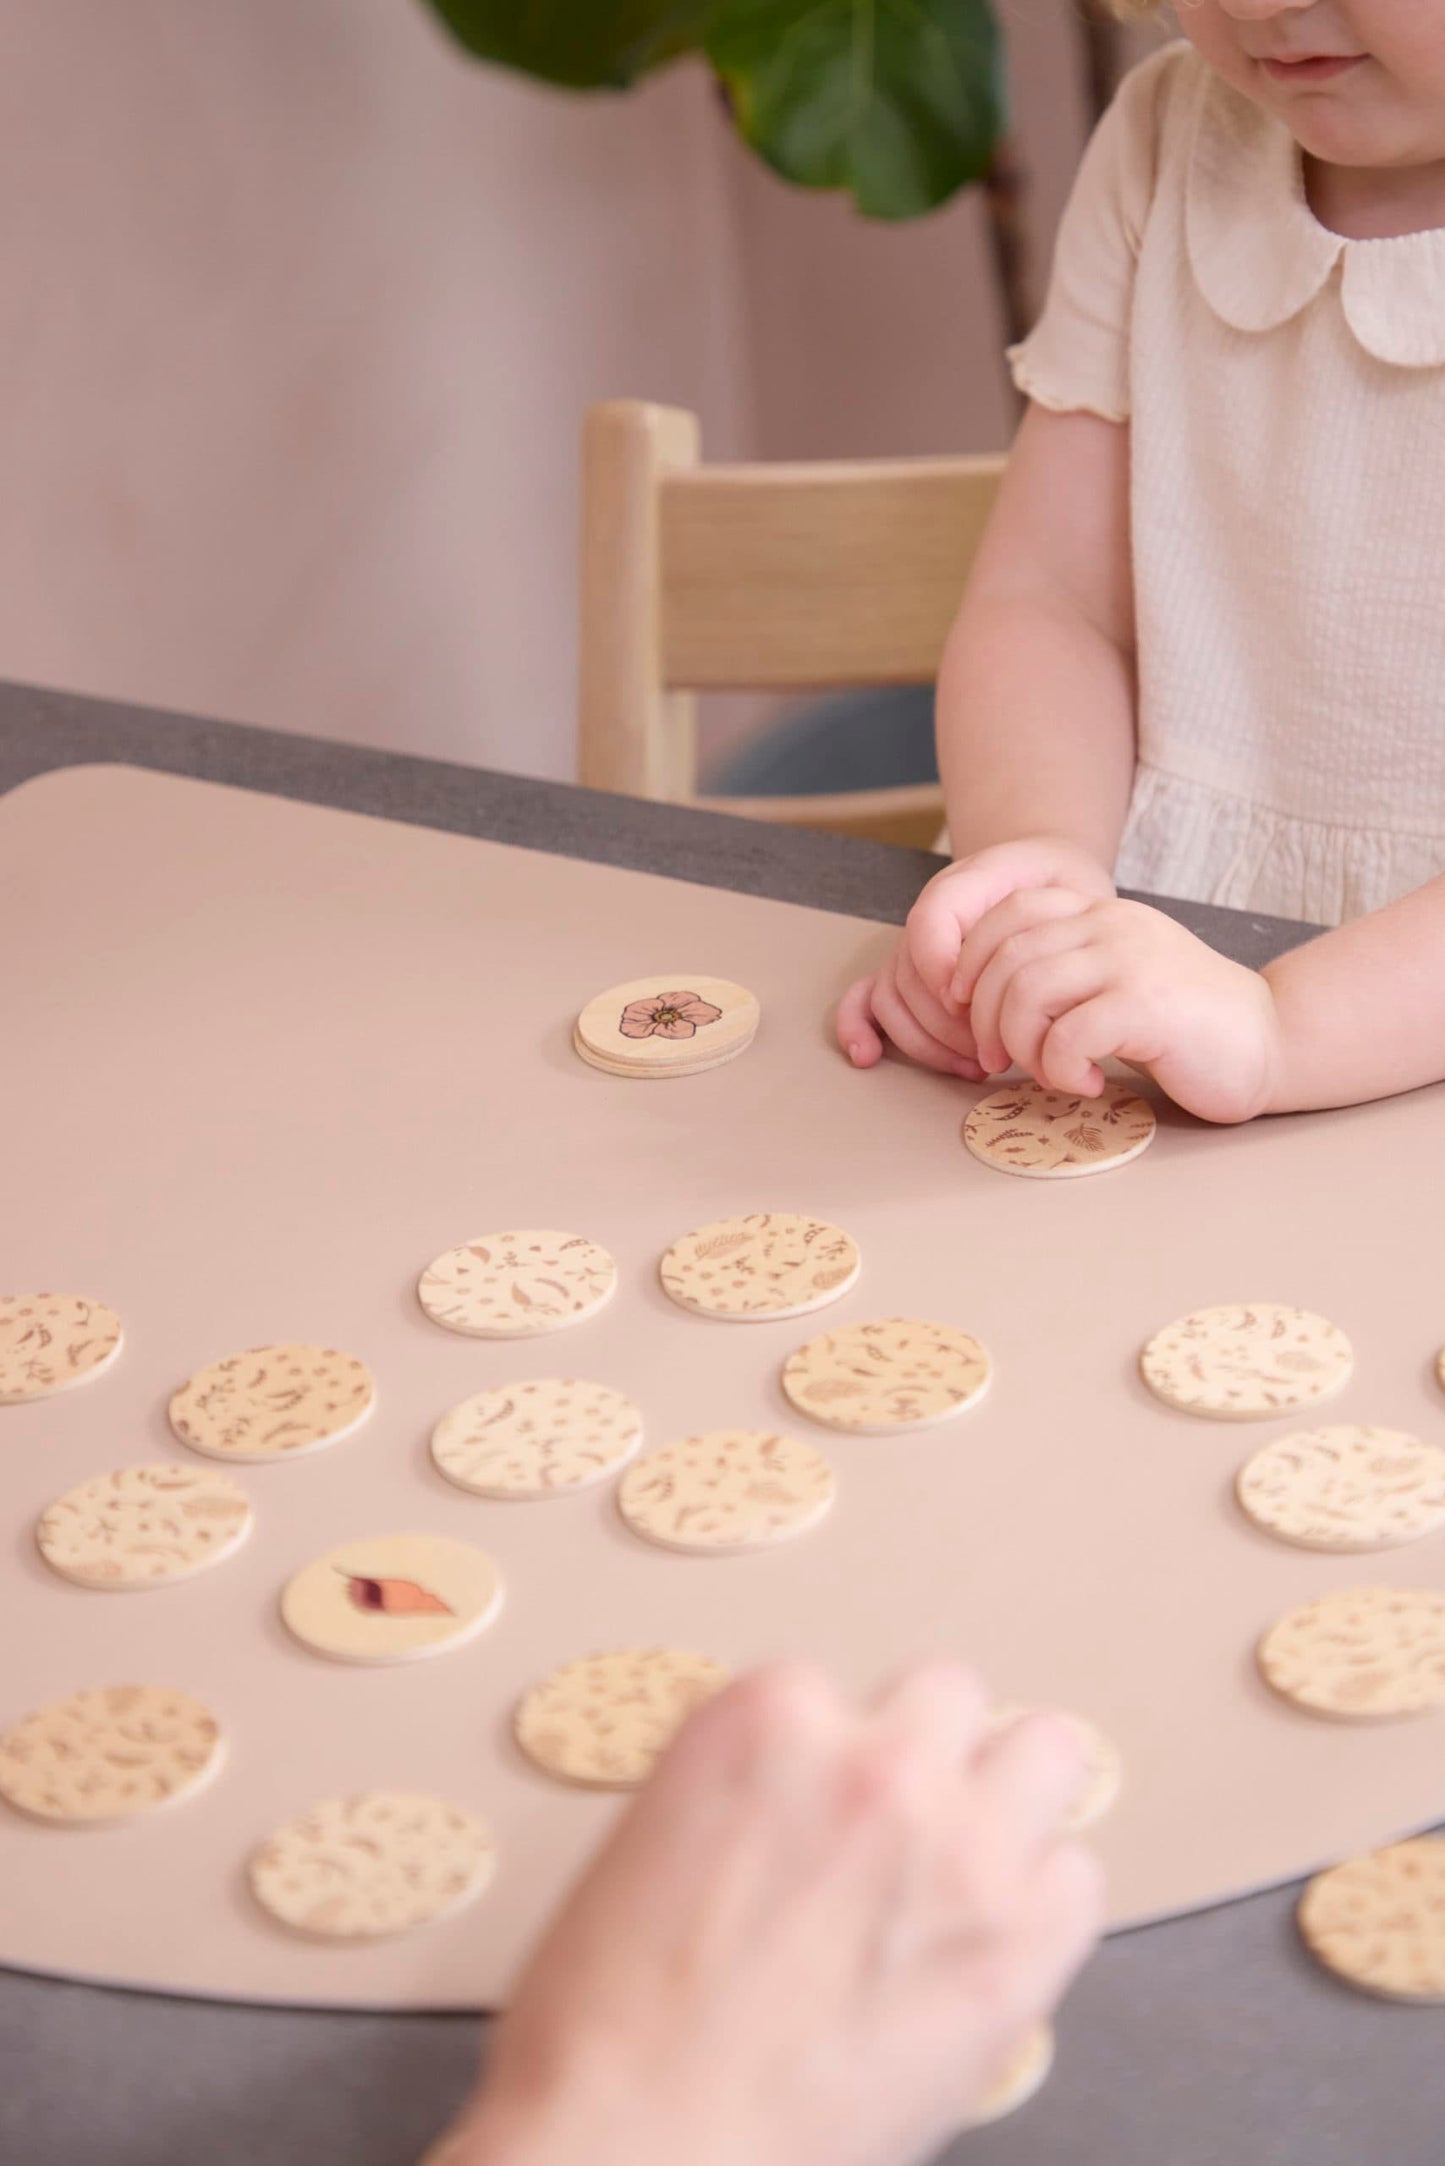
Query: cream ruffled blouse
{"points": [[1285, 389]]}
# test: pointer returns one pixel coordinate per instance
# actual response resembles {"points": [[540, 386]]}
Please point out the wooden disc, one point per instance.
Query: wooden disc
{"points": [[768, 1265], [1379, 1921], [392, 1598], [517, 1285], [274, 1402], [604, 1720], [537, 1439], [667, 1023], [728, 1490], [357, 1868], [1024, 2075], [49, 1342], [143, 1526], [1362, 1654], [879, 1378], [109, 1754], [1345, 1488], [1247, 1363], [1055, 1136]]}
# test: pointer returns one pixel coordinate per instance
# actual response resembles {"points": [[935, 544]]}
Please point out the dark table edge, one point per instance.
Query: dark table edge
{"points": [[42, 731]]}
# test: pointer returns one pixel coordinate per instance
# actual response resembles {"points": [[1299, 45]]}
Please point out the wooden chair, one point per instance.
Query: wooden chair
{"points": [[699, 578]]}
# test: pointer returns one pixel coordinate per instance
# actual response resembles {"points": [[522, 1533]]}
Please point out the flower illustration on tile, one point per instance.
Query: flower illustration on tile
{"points": [[667, 1015]]}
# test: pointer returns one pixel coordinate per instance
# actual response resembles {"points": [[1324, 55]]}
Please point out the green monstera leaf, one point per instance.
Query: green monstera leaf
{"points": [[898, 102], [581, 44], [901, 102]]}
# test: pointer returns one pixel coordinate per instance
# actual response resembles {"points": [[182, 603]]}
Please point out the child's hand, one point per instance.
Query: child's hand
{"points": [[911, 1000], [1059, 982]]}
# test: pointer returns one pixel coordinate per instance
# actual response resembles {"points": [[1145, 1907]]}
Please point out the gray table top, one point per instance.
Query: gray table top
{"points": [[1207, 2039]]}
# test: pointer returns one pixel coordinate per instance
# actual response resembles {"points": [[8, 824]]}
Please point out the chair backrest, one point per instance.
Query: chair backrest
{"points": [[757, 577]]}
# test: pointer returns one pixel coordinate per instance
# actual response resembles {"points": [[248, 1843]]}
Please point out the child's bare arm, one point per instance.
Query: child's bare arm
{"points": [[1035, 725], [1361, 1011], [1036, 694]]}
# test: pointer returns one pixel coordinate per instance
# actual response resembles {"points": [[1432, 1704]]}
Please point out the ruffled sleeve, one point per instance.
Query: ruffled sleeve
{"points": [[1077, 355]]}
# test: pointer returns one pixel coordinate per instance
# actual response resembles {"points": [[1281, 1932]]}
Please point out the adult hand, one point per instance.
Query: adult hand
{"points": [[813, 1940], [1059, 982], [915, 1000]]}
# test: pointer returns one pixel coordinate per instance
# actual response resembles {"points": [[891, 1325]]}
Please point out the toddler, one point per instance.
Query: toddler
{"points": [[1203, 646]]}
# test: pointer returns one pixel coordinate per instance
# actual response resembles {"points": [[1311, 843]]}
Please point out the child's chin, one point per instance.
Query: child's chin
{"points": [[1345, 122]]}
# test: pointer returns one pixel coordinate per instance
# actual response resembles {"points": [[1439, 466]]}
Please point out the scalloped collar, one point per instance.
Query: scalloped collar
{"points": [[1259, 254]]}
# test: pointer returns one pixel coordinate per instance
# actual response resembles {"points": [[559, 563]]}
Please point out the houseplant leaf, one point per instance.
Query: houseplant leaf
{"points": [[582, 44], [901, 102]]}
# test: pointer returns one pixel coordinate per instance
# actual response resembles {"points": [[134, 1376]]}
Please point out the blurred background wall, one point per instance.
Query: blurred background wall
{"points": [[299, 310]]}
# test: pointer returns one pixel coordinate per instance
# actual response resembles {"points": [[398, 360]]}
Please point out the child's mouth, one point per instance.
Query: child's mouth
{"points": [[1322, 69]]}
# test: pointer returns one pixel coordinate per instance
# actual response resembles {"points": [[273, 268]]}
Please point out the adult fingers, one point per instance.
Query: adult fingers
{"points": [[937, 1710], [1026, 1780], [1054, 1926], [1017, 914], [1056, 1929], [755, 1731]]}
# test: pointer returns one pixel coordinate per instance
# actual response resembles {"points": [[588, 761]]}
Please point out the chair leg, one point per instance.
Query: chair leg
{"points": [[634, 735]]}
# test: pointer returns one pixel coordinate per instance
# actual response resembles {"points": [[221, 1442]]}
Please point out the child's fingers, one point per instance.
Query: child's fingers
{"points": [[954, 1031], [1016, 915], [945, 912], [1039, 993], [1019, 951], [854, 1024], [1070, 1055], [953, 902], [898, 1022]]}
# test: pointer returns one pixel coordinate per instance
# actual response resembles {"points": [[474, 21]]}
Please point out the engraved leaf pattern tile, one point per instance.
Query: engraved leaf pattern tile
{"points": [[108, 1754], [49, 1342], [602, 1721], [143, 1526], [1361, 1654], [729, 1489], [272, 1402], [517, 1284], [536, 1439], [1346, 1488], [898, 1373], [1379, 1921], [767, 1264], [355, 1868], [1248, 1362], [1026, 1128]]}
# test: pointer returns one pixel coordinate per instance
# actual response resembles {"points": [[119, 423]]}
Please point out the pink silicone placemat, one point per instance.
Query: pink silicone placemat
{"points": [[262, 1061]]}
